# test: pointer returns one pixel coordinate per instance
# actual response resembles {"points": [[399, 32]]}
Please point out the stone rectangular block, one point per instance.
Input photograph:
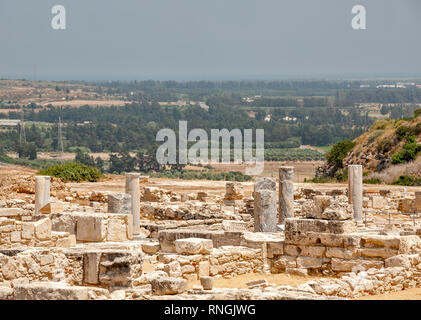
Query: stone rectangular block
{"points": [[341, 253], [309, 262], [352, 265], [298, 225], [91, 267], [117, 228], [312, 251], [193, 246], [43, 229], [28, 230], [275, 249], [90, 228]]}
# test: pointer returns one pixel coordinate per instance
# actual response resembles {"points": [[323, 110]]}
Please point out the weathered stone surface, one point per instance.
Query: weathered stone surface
{"points": [[6, 293], [119, 268], [168, 285], [120, 227], [91, 267], [193, 246], [398, 261], [90, 228], [151, 247], [265, 211], [357, 264], [286, 193], [279, 264], [204, 268], [206, 282], [297, 225], [233, 225], [119, 203], [263, 183], [173, 269], [43, 229], [57, 291], [309, 262]]}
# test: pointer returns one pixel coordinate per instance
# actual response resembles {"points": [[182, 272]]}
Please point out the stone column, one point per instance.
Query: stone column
{"points": [[355, 176], [265, 211], [42, 192], [286, 193], [133, 188]]}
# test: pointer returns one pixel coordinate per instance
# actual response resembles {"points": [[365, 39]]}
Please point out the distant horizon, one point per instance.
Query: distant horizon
{"points": [[384, 77]]}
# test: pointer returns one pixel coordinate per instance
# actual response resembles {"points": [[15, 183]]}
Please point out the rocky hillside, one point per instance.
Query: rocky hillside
{"points": [[375, 148], [387, 151]]}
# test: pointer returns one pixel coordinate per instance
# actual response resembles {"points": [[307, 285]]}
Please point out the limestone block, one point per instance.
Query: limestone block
{"points": [[91, 267], [28, 230], [52, 207], [90, 228], [119, 268], [379, 202], [398, 261], [302, 272], [309, 262], [358, 264], [206, 282], [164, 286], [379, 241], [15, 236], [275, 249], [117, 229], [193, 246], [57, 291], [151, 247], [173, 269], [292, 250], [341, 253], [312, 251], [43, 229], [295, 225], [378, 252], [233, 225], [119, 203], [204, 268], [6, 293], [409, 244], [282, 262]]}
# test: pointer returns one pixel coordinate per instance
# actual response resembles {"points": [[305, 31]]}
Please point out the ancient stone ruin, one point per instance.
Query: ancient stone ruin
{"points": [[150, 243]]}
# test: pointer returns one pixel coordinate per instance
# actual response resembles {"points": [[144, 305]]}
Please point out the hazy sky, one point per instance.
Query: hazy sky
{"points": [[209, 39]]}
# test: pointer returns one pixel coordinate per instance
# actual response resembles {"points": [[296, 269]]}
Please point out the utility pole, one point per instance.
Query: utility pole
{"points": [[60, 139], [22, 134]]}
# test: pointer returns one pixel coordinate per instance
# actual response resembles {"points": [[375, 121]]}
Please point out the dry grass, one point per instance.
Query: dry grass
{"points": [[392, 173]]}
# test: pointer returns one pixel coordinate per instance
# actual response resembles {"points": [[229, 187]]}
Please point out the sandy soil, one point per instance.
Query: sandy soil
{"points": [[241, 280]]}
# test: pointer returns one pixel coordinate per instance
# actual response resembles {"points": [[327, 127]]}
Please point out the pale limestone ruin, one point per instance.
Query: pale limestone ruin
{"points": [[63, 245]]}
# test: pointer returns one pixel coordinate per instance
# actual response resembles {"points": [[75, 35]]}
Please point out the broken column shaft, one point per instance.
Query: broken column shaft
{"points": [[133, 188], [355, 191], [286, 193], [42, 192], [265, 210]]}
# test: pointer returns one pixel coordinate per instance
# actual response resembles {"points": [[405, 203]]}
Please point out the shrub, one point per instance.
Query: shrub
{"points": [[72, 171], [374, 136], [372, 181], [408, 153], [338, 153], [408, 181]]}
